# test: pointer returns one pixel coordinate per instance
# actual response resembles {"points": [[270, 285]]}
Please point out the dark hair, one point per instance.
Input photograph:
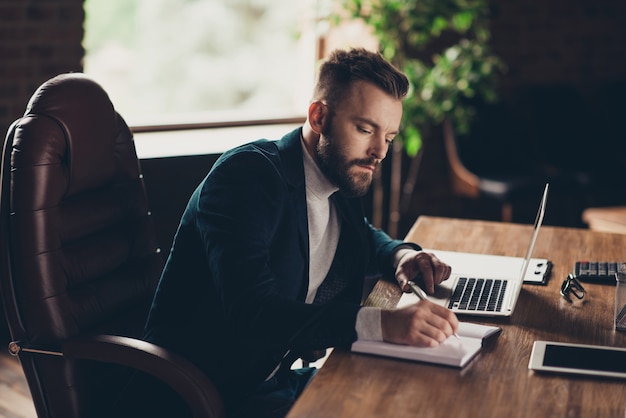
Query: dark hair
{"points": [[343, 68]]}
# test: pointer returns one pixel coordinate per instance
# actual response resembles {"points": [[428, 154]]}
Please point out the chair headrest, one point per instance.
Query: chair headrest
{"points": [[83, 110]]}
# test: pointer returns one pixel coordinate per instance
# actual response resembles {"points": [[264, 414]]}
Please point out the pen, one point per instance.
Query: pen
{"points": [[422, 295]]}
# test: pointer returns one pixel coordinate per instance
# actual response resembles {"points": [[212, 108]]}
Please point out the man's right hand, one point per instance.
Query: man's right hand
{"points": [[423, 324]]}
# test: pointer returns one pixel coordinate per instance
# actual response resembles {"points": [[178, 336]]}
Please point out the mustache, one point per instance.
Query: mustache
{"points": [[366, 161]]}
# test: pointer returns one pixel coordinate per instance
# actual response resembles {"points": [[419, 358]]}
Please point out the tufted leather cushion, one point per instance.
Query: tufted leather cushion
{"points": [[83, 251]]}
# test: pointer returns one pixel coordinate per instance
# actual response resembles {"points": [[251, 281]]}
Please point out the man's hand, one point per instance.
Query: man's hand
{"points": [[423, 324], [427, 266]]}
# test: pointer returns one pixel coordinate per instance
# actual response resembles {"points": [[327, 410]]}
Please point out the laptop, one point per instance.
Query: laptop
{"points": [[486, 285]]}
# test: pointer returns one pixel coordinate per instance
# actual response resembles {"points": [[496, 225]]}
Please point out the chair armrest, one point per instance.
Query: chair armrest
{"points": [[188, 381]]}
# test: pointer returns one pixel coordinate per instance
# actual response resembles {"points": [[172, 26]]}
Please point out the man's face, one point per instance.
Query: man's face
{"points": [[356, 137]]}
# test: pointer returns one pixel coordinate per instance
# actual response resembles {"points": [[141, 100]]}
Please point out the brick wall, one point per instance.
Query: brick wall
{"points": [[38, 40], [580, 42]]}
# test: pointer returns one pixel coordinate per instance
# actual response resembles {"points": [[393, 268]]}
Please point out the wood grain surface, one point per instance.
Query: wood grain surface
{"points": [[497, 383]]}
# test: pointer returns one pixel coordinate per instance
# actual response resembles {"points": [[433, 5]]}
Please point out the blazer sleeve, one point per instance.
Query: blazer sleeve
{"points": [[383, 247]]}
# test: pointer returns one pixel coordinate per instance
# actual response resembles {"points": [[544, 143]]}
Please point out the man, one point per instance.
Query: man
{"points": [[269, 259]]}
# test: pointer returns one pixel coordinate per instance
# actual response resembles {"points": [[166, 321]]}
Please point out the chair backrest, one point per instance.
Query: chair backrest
{"points": [[77, 245], [463, 181]]}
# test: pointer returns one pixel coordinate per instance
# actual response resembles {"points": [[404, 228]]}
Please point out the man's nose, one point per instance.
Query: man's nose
{"points": [[378, 148]]}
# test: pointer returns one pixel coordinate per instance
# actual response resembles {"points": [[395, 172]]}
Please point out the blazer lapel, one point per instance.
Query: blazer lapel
{"points": [[290, 151]]}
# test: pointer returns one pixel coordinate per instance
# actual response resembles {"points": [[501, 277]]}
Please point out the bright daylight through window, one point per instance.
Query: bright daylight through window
{"points": [[187, 61]]}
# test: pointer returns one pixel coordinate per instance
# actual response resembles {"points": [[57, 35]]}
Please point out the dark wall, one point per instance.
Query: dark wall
{"points": [[169, 183], [577, 42], [38, 40]]}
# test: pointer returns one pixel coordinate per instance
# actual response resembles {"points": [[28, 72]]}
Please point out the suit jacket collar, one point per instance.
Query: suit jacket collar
{"points": [[290, 150], [350, 209]]}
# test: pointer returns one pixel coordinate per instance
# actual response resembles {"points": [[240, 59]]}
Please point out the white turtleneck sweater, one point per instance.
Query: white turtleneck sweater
{"points": [[324, 231]]}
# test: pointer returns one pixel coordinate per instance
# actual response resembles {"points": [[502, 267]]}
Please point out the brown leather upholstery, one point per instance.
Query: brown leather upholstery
{"points": [[79, 255]]}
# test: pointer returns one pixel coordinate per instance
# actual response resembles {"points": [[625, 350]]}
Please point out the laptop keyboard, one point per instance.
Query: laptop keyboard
{"points": [[478, 294]]}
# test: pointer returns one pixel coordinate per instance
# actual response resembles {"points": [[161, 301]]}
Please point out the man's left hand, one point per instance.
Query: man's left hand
{"points": [[426, 266]]}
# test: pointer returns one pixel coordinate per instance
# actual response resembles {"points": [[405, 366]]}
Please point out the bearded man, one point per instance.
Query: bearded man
{"points": [[269, 259]]}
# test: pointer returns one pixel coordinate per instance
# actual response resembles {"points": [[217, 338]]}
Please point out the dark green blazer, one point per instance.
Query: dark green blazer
{"points": [[231, 296]]}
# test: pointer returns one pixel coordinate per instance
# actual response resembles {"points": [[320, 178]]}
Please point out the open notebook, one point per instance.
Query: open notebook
{"points": [[487, 285], [456, 352]]}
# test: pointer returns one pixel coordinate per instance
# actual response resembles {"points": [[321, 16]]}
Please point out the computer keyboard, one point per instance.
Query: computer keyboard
{"points": [[477, 294], [597, 271]]}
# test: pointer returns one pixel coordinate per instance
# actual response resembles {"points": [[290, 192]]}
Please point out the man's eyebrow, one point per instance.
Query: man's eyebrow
{"points": [[374, 124]]}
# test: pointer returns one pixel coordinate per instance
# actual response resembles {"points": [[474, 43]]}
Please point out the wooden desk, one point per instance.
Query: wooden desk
{"points": [[497, 383]]}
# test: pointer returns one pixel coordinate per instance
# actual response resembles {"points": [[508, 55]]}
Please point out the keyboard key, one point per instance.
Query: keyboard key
{"points": [[473, 304], [467, 294], [495, 293], [484, 298], [501, 297]]}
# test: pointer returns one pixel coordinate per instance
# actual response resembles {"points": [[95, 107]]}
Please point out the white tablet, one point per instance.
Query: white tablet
{"points": [[586, 359]]}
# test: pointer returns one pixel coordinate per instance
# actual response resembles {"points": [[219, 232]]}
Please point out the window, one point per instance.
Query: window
{"points": [[185, 61]]}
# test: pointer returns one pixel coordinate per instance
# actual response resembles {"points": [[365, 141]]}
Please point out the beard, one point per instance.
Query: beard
{"points": [[337, 168]]}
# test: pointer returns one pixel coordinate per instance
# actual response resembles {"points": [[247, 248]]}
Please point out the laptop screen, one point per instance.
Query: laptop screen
{"points": [[538, 222]]}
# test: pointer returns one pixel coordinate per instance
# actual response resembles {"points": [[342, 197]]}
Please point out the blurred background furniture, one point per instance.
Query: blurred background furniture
{"points": [[490, 182], [606, 219], [606, 212], [80, 262], [496, 161], [543, 133]]}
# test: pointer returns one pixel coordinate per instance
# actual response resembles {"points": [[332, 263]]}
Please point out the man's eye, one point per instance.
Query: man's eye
{"points": [[365, 131]]}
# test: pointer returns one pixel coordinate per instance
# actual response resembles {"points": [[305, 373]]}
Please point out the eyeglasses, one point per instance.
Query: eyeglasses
{"points": [[572, 286]]}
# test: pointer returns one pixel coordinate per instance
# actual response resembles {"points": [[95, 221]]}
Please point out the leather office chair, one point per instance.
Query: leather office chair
{"points": [[79, 257]]}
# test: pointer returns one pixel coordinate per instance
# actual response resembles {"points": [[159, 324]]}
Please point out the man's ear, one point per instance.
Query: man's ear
{"points": [[318, 112]]}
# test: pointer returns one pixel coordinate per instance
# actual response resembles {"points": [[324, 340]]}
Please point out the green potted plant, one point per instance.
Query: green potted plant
{"points": [[443, 47]]}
